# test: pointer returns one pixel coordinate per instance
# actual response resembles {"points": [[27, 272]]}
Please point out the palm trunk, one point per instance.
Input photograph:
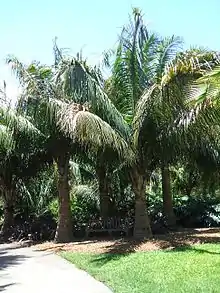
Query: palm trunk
{"points": [[105, 202], [167, 197], [8, 214], [142, 228], [64, 232]]}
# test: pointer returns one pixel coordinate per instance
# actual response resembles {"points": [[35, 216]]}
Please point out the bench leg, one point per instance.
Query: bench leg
{"points": [[87, 233]]}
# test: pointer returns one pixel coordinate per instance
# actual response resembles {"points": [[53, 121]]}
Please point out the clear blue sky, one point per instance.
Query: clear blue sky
{"points": [[27, 27]]}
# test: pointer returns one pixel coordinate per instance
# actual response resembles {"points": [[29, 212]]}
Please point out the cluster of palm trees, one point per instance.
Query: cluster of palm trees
{"points": [[158, 108]]}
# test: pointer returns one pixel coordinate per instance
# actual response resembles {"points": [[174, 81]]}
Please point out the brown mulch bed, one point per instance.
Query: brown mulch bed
{"points": [[173, 240]]}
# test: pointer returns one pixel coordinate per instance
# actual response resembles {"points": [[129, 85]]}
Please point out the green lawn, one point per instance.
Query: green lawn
{"points": [[193, 269]]}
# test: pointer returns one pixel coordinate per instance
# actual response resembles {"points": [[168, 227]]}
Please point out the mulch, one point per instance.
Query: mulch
{"points": [[173, 240]]}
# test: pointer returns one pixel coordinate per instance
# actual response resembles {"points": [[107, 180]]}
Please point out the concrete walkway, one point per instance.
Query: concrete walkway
{"points": [[27, 271]]}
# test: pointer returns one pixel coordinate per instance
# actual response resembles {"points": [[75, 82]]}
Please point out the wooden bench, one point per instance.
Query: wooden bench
{"points": [[113, 224]]}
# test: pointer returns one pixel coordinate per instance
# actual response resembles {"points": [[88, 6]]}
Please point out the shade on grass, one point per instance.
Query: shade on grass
{"points": [[190, 269]]}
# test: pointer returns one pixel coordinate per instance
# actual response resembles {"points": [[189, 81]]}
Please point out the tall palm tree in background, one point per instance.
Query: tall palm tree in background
{"points": [[148, 85]]}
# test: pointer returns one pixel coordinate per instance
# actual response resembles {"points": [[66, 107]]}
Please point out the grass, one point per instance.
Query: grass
{"points": [[188, 269]]}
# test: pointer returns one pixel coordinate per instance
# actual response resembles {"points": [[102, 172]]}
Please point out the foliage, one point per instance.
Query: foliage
{"points": [[84, 205], [36, 194], [158, 109], [196, 203], [199, 210]]}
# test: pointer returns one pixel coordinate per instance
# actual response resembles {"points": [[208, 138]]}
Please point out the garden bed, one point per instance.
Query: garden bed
{"points": [[169, 241]]}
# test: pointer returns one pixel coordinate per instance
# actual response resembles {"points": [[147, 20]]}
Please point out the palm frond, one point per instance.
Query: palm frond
{"points": [[7, 142], [18, 69], [18, 123], [128, 75], [203, 99], [75, 172], [82, 85], [166, 52], [145, 109], [165, 117], [106, 58], [194, 62], [90, 130]]}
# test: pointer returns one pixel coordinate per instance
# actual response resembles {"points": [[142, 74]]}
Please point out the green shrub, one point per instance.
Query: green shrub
{"points": [[84, 205], [198, 210]]}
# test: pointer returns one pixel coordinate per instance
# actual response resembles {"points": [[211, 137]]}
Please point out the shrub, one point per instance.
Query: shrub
{"points": [[84, 205]]}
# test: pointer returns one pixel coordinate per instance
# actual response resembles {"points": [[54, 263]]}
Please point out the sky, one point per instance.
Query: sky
{"points": [[28, 27]]}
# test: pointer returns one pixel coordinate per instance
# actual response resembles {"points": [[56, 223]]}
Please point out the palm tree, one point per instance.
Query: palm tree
{"points": [[83, 84], [35, 80], [54, 98], [20, 143], [148, 85]]}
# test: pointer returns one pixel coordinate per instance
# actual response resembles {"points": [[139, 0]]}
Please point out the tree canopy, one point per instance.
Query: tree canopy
{"points": [[153, 124]]}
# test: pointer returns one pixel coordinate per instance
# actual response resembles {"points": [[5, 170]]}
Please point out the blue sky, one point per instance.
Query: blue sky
{"points": [[27, 27]]}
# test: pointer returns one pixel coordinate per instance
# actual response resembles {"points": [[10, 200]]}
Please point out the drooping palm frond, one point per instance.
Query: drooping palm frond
{"points": [[197, 110], [18, 123], [82, 84], [202, 97], [194, 62], [204, 101], [18, 69], [90, 130], [39, 100], [165, 120], [34, 78], [208, 88], [73, 81], [6, 139]]}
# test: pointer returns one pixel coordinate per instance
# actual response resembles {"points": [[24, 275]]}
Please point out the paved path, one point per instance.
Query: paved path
{"points": [[27, 271]]}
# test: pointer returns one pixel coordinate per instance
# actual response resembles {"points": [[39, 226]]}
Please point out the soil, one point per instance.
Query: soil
{"points": [[172, 240]]}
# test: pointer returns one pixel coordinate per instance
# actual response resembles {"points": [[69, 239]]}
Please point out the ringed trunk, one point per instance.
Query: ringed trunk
{"points": [[64, 232], [142, 228], [105, 202], [167, 197]]}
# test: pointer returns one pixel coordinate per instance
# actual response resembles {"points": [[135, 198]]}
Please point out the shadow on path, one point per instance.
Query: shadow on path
{"points": [[8, 259], [4, 287]]}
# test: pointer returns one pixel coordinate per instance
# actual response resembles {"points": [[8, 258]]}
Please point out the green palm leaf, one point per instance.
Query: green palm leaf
{"points": [[90, 130]]}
